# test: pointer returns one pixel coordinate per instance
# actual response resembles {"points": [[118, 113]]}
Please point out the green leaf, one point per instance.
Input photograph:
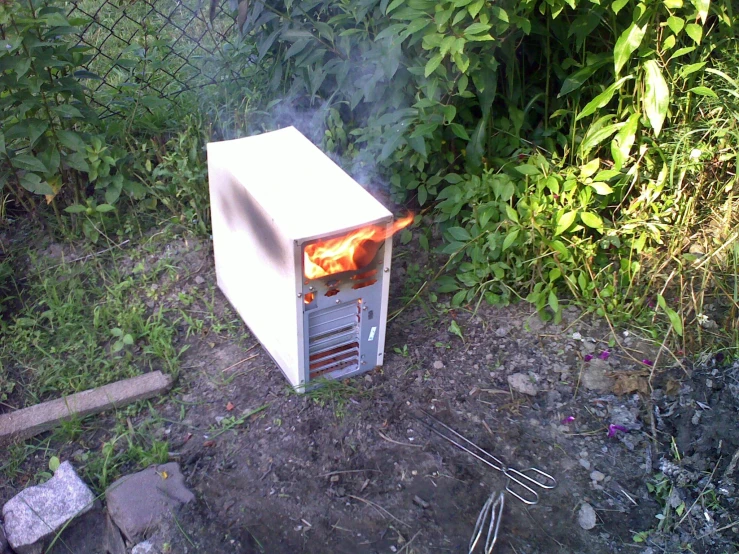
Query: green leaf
{"points": [[77, 161], [511, 213], [564, 223], [589, 168], [67, 111], [71, 140], [656, 97], [394, 4], [2, 144], [475, 7], [454, 329], [702, 7], [54, 463], [601, 188], [673, 4], [675, 24], [75, 209], [695, 32], [476, 29], [595, 137], [459, 233], [459, 131], [458, 298], [691, 68], [629, 41], [510, 238], [527, 169], [703, 91], [33, 183], [618, 5], [624, 140], [102, 208], [681, 52], [432, 64], [30, 129], [84, 74], [675, 320], [602, 99], [28, 162], [592, 220], [424, 130], [422, 195], [553, 302], [576, 80]]}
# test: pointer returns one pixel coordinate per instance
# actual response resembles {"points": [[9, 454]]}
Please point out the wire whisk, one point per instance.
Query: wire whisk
{"points": [[520, 482]]}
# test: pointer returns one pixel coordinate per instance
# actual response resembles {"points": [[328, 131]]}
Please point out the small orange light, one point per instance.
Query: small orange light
{"points": [[309, 296]]}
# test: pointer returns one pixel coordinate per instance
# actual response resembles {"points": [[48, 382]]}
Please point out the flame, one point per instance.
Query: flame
{"points": [[350, 252]]}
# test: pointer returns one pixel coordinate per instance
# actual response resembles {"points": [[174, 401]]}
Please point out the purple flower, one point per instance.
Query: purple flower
{"points": [[587, 357], [604, 355], [719, 357], [612, 428], [648, 362], [568, 419]]}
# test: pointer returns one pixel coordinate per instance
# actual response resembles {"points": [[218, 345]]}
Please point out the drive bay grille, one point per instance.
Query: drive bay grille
{"points": [[333, 339]]}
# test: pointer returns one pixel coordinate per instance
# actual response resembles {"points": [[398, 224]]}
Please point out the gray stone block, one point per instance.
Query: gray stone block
{"points": [[39, 512], [138, 502]]}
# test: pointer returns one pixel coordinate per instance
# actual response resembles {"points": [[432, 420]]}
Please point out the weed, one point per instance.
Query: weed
{"points": [[402, 351], [333, 393], [231, 422]]}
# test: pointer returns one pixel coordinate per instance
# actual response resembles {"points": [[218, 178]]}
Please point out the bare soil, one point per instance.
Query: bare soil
{"points": [[355, 472]]}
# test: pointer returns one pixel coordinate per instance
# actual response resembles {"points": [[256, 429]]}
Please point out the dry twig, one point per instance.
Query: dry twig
{"points": [[378, 508]]}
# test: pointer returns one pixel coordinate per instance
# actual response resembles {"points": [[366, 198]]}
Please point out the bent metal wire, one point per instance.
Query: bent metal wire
{"points": [[520, 481], [489, 517]]}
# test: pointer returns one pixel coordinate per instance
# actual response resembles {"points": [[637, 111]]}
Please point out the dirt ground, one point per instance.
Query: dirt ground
{"points": [[350, 470]]}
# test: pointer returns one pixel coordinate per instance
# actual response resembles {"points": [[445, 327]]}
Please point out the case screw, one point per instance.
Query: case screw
{"points": [[387, 270], [300, 295], [338, 301], [364, 307]]}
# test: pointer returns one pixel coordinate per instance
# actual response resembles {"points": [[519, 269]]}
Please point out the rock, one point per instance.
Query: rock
{"points": [[39, 512], [113, 540], [522, 383], [199, 280], [586, 516], [438, 364], [85, 535], [594, 376], [144, 548], [584, 463], [3, 541], [137, 502], [597, 476]]}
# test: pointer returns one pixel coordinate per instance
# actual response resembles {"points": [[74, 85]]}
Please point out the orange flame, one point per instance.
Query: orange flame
{"points": [[350, 252]]}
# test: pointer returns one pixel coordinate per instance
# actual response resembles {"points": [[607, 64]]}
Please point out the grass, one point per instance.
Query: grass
{"points": [[73, 325], [335, 394], [82, 325]]}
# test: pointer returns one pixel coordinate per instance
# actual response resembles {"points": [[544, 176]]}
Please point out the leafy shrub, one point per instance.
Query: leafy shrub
{"points": [[554, 136], [51, 139]]}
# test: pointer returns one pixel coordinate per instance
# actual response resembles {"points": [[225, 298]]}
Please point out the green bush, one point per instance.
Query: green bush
{"points": [[554, 137], [51, 142]]}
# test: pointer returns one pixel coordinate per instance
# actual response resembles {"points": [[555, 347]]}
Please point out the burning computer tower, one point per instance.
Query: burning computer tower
{"points": [[302, 252]]}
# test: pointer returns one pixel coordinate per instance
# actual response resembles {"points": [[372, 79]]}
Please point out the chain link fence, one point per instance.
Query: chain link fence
{"points": [[146, 52]]}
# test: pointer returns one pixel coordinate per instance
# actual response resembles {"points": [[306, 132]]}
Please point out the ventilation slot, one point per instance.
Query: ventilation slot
{"points": [[333, 340]]}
